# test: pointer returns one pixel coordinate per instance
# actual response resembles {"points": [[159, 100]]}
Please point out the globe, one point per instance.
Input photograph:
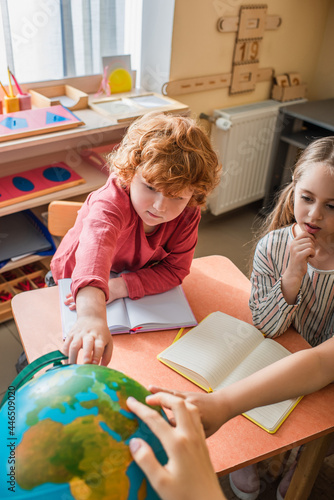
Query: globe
{"points": [[69, 439]]}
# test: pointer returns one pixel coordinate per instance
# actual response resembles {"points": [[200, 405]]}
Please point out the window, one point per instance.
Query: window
{"points": [[44, 40], [53, 39]]}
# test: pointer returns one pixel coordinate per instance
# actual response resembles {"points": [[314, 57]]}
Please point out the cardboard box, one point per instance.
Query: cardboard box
{"points": [[283, 94], [68, 96]]}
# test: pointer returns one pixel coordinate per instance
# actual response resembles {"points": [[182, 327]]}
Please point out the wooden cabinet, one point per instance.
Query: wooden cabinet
{"points": [[21, 155], [297, 126], [25, 154], [25, 277]]}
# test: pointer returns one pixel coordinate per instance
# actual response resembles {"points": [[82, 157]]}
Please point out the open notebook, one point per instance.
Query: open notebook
{"points": [[162, 311], [222, 350]]}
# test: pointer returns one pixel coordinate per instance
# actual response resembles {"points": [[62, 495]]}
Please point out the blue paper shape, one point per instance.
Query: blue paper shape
{"points": [[56, 174], [52, 118], [22, 183], [14, 123]]}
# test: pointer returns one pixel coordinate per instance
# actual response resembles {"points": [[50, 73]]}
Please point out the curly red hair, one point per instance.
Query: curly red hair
{"points": [[172, 154]]}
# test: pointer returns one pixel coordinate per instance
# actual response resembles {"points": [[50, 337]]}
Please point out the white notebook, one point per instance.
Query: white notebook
{"points": [[222, 350], [162, 311]]}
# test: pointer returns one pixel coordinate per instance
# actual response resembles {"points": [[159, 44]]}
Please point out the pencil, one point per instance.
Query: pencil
{"points": [[10, 84], [3, 88], [17, 85], [178, 335]]}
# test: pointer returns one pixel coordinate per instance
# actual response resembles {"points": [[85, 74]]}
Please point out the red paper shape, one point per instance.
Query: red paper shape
{"points": [[36, 182]]}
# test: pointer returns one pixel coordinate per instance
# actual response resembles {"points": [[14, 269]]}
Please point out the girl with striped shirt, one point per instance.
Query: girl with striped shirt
{"points": [[293, 267], [293, 271]]}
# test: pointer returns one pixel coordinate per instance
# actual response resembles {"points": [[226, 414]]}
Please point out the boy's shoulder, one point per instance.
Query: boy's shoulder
{"points": [[110, 191], [111, 198], [189, 214]]}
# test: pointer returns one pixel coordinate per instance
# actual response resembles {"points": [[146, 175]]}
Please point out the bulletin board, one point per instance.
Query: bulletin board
{"points": [[250, 27]]}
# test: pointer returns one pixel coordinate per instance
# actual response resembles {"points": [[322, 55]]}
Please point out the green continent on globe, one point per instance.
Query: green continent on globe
{"points": [[80, 453], [87, 452]]}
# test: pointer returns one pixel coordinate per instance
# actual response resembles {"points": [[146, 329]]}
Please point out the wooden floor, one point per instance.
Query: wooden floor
{"points": [[230, 235]]}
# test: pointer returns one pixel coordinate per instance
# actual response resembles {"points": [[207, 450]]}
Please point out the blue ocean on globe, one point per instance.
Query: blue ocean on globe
{"points": [[71, 435]]}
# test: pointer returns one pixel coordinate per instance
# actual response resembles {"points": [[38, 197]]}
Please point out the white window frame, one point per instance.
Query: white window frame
{"points": [[149, 42]]}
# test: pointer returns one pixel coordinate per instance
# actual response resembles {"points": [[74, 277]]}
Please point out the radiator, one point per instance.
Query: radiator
{"points": [[243, 137]]}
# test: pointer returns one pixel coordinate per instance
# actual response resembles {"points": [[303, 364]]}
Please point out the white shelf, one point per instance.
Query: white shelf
{"points": [[36, 151]]}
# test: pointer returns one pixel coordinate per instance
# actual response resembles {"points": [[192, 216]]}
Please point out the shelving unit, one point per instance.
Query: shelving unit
{"points": [[25, 154], [28, 276], [303, 138], [297, 126], [98, 133]]}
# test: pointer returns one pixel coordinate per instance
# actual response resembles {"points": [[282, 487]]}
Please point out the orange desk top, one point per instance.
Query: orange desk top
{"points": [[214, 284]]}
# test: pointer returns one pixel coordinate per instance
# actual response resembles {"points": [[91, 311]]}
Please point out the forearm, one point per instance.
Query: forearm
{"points": [[91, 301], [117, 289], [290, 286], [156, 279], [299, 374], [270, 312]]}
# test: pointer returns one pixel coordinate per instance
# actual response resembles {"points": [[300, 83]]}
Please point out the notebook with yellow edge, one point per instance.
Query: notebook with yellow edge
{"points": [[222, 350]]}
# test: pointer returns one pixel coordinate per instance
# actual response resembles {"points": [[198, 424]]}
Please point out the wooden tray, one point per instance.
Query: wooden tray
{"points": [[68, 96], [36, 121]]}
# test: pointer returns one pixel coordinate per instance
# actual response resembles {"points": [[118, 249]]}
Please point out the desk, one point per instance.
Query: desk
{"points": [[214, 283], [297, 126]]}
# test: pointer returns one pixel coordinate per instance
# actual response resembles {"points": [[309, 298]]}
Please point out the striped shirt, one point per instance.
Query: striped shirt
{"points": [[311, 315]]}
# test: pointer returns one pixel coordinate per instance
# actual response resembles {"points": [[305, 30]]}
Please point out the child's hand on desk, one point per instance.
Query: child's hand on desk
{"points": [[211, 411], [93, 336], [90, 332], [189, 473], [70, 302]]}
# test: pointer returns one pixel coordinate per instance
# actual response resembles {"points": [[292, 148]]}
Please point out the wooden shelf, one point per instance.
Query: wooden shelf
{"points": [[94, 179], [24, 154], [298, 125], [98, 133], [26, 260], [8, 284], [303, 138]]}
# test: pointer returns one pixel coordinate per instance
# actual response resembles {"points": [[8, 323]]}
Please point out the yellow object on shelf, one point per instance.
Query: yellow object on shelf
{"points": [[120, 81], [12, 104]]}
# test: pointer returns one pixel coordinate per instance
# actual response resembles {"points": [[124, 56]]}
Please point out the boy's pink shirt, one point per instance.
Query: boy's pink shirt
{"points": [[109, 236]]}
